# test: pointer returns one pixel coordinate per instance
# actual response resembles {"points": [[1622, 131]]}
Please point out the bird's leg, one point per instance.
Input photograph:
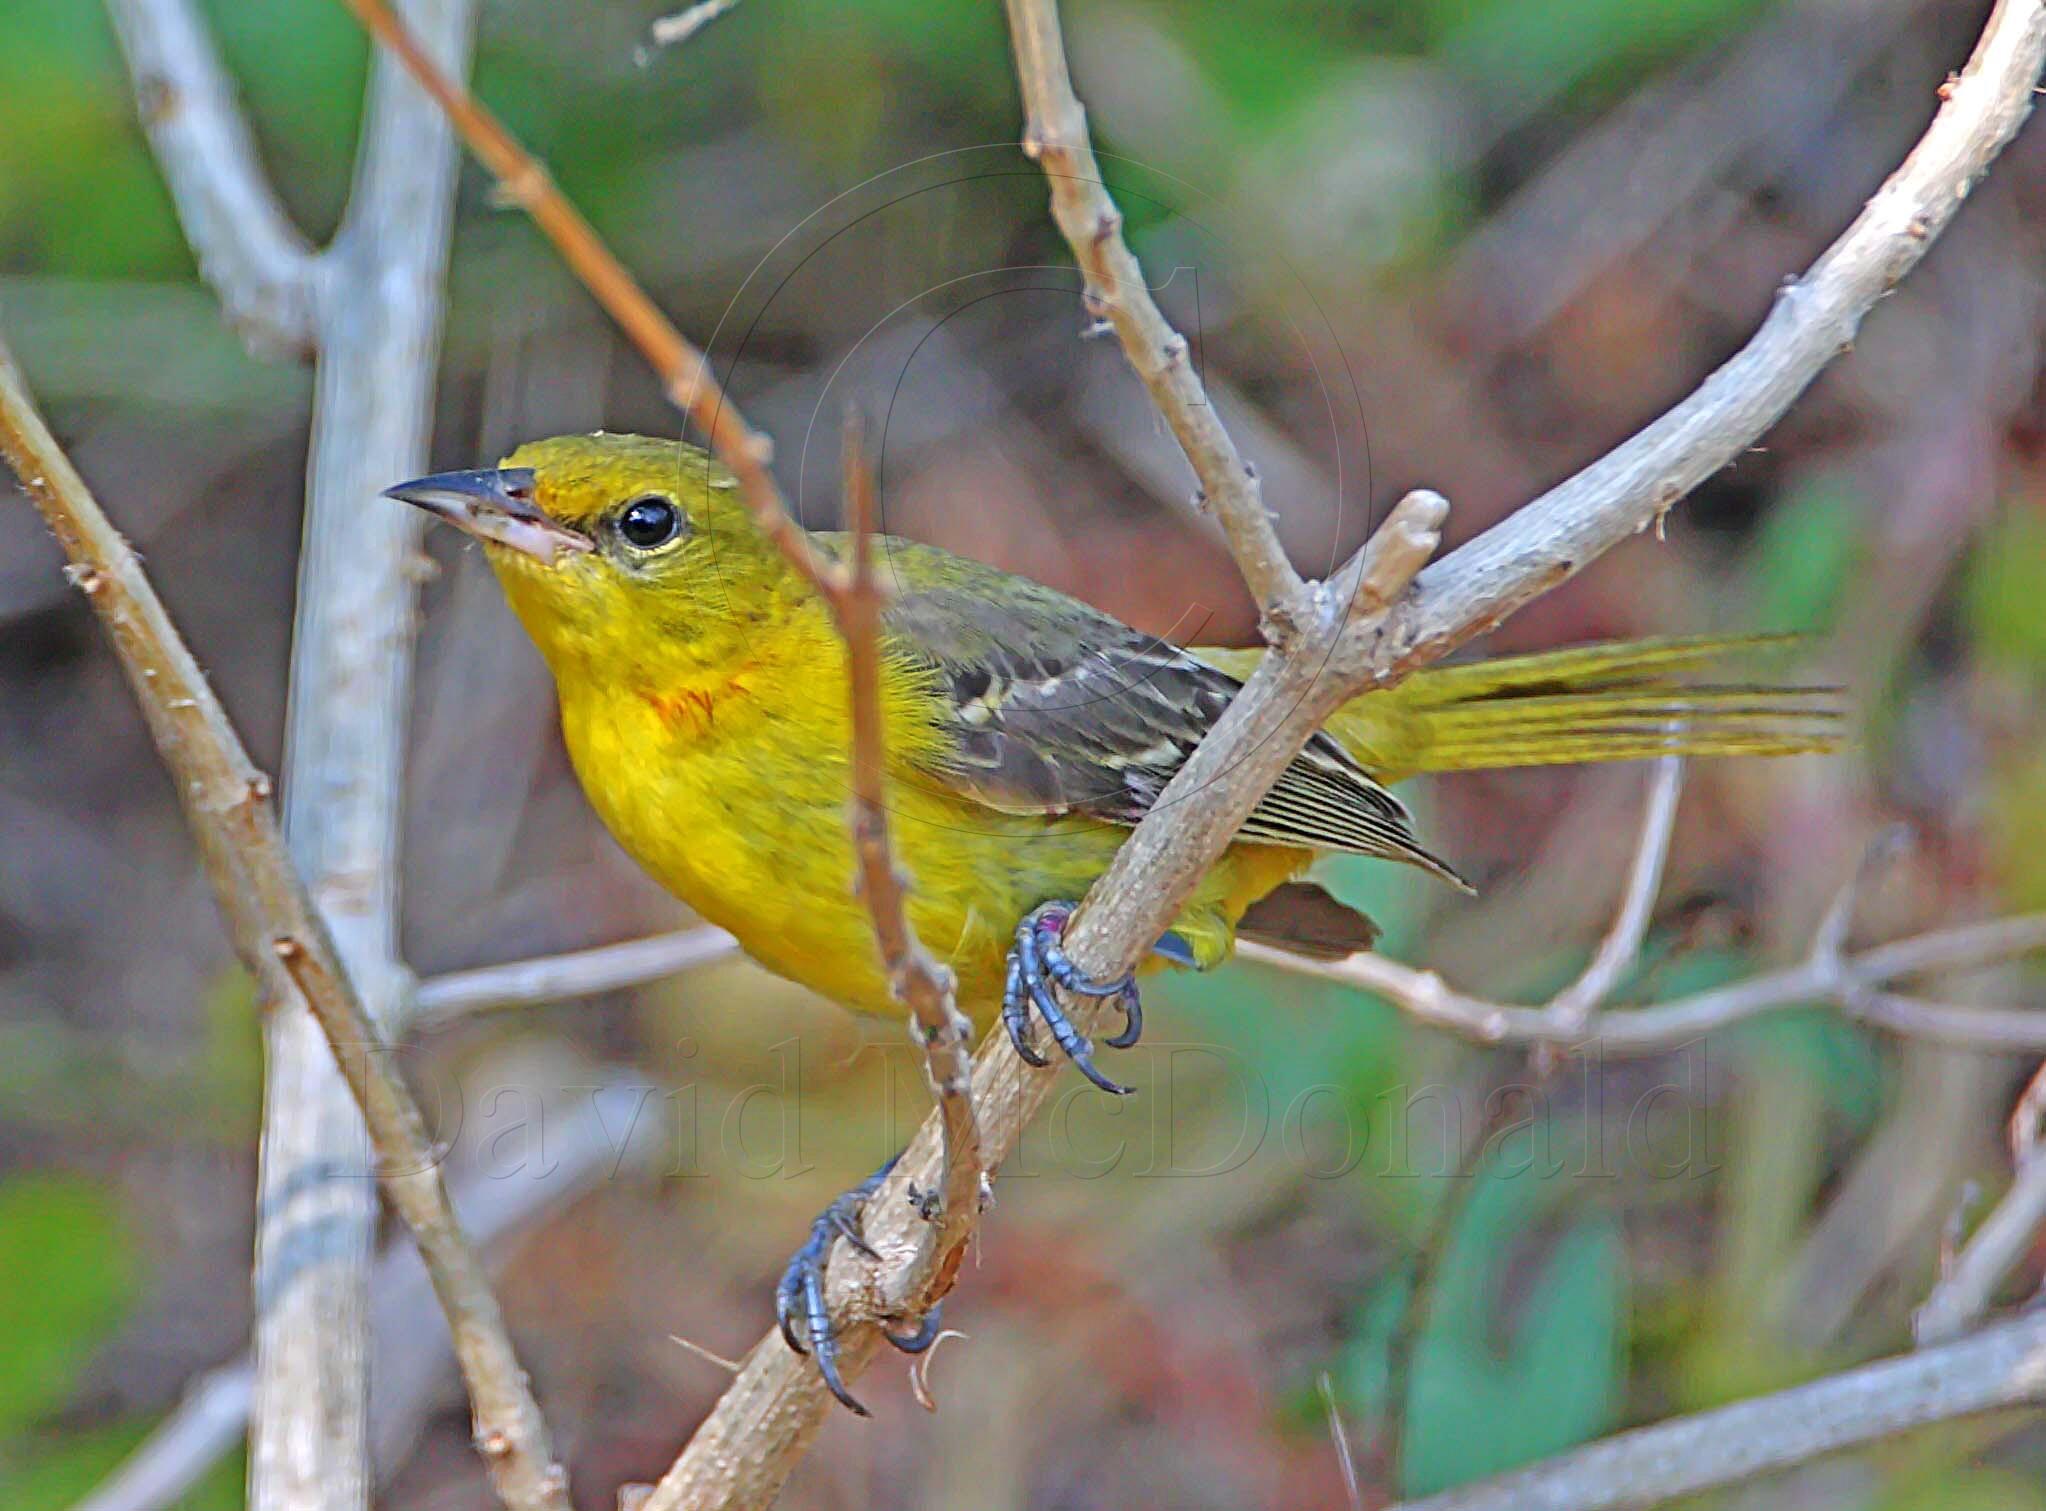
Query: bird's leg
{"points": [[1037, 963], [799, 1299]]}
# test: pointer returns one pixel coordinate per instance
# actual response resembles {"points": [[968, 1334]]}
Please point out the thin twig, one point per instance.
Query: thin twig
{"points": [[560, 978], [674, 30], [684, 374], [729, 1366], [1353, 1495], [917, 979], [208, 1422], [370, 306], [247, 248], [1055, 137], [1999, 1366], [1967, 1287], [281, 936], [1848, 982], [1851, 983], [754, 1436], [1621, 946]]}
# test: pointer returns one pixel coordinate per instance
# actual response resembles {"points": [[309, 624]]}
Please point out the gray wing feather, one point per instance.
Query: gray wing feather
{"points": [[1055, 707]]}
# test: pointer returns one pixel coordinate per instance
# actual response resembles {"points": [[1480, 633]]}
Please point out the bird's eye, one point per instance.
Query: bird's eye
{"points": [[650, 522]]}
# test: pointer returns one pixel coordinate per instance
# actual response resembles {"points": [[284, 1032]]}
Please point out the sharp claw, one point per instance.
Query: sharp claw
{"points": [[799, 1304], [1085, 1062], [785, 1314], [1016, 1015], [845, 1227], [1070, 1040], [823, 1346], [925, 1335], [1132, 1020], [827, 1366], [1034, 965]]}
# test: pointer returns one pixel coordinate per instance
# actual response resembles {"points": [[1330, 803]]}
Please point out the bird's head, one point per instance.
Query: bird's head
{"points": [[615, 550]]}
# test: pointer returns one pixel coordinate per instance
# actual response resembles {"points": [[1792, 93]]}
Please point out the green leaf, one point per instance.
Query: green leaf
{"points": [[69, 1268], [1805, 552], [2004, 592], [60, 1470], [1499, 1380]]}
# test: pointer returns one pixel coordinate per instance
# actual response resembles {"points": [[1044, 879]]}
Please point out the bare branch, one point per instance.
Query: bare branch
{"points": [[248, 249], [752, 1439], [2000, 1366], [1968, 1278], [1814, 320], [561, 978], [684, 374], [202, 1431], [927, 1258], [1055, 137], [674, 30], [378, 331], [1621, 946], [280, 935], [409, 1338], [1849, 982]]}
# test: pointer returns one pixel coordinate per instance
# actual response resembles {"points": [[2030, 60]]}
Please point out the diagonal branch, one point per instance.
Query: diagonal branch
{"points": [[248, 249], [1814, 320], [2000, 1366], [1055, 137], [2006, 1237], [409, 1339], [919, 982], [281, 936]]}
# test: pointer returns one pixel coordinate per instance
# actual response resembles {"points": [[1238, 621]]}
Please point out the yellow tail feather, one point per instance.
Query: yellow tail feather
{"points": [[1616, 702]]}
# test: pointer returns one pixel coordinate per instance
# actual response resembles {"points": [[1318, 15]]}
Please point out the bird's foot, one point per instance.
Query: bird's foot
{"points": [[1036, 964], [799, 1300]]}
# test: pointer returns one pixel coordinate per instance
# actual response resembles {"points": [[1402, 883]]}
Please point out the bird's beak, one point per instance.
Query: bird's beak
{"points": [[494, 504]]}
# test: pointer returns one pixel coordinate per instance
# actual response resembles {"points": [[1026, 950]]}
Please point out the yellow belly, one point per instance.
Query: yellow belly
{"points": [[756, 842]]}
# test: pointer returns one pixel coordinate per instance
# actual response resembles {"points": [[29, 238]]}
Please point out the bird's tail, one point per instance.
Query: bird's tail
{"points": [[1615, 702]]}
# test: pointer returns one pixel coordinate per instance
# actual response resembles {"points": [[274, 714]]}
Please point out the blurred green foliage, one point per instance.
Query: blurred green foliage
{"points": [[1500, 1375], [1805, 552], [2004, 590], [67, 1275], [65, 1468]]}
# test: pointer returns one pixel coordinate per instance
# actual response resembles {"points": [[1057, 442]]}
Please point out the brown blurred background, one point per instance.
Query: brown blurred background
{"points": [[1466, 244]]}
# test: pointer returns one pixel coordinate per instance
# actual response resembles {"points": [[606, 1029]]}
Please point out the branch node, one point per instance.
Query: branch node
{"points": [[1398, 549], [89, 580]]}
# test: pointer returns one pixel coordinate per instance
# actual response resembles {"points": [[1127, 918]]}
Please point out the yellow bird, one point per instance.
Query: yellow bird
{"points": [[704, 703]]}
